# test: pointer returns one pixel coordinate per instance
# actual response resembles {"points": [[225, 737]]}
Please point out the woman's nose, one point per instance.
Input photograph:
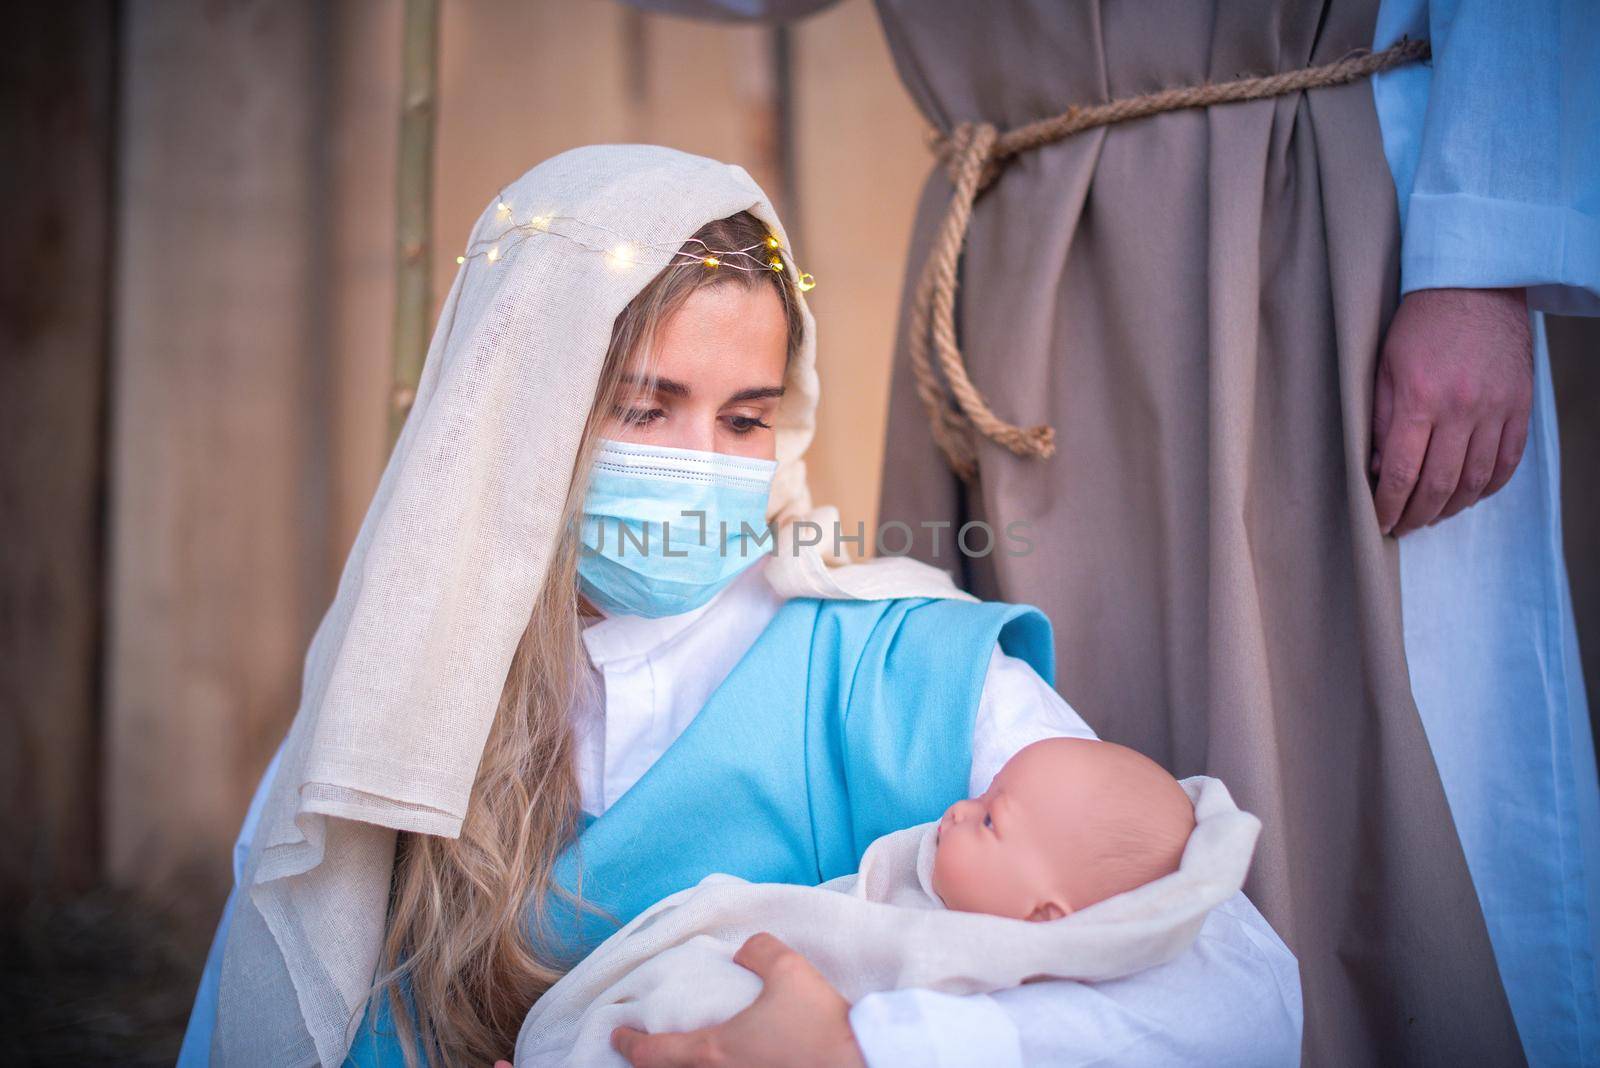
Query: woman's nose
{"points": [[694, 433]]}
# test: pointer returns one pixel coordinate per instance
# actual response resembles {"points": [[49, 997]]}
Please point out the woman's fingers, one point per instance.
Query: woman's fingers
{"points": [[763, 954], [799, 1020], [689, 1049], [1439, 477], [768, 956], [630, 1043]]}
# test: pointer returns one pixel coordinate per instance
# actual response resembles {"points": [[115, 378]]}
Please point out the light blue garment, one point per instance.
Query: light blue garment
{"points": [[1495, 146], [664, 530], [196, 1049], [1495, 150], [1494, 667], [845, 721]]}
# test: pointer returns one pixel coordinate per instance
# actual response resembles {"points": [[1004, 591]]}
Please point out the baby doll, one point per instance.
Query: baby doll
{"points": [[1115, 863], [1067, 822]]}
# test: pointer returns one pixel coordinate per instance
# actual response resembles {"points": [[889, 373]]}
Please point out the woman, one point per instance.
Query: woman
{"points": [[562, 735]]}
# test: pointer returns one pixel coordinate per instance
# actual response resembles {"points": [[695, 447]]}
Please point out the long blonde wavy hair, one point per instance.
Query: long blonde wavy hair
{"points": [[464, 912]]}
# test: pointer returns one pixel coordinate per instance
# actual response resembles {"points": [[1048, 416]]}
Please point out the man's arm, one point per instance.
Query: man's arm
{"points": [[1493, 148], [1450, 414]]}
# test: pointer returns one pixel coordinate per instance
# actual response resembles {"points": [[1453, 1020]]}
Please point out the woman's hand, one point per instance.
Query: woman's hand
{"points": [[1450, 417], [799, 1019]]}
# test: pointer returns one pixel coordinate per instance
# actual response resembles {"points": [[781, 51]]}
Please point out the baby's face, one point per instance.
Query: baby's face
{"points": [[1067, 822], [994, 854]]}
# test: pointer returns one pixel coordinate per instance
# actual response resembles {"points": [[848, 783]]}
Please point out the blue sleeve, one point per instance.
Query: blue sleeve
{"points": [[196, 1050], [1494, 147]]}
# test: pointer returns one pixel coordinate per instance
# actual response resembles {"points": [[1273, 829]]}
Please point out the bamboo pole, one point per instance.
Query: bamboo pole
{"points": [[419, 81], [781, 51]]}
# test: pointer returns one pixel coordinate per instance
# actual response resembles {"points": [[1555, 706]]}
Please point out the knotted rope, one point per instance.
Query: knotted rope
{"points": [[973, 155]]}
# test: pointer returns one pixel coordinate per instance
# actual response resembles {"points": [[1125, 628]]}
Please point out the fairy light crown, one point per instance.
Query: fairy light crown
{"points": [[622, 251]]}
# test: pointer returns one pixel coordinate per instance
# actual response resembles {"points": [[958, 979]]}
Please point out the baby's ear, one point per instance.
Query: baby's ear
{"points": [[1049, 910]]}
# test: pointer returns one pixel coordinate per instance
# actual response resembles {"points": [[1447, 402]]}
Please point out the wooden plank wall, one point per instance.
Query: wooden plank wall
{"points": [[216, 419], [862, 163], [252, 318], [243, 288], [56, 124]]}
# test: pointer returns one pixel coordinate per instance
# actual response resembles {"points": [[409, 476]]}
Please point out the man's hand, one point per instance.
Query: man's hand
{"points": [[1450, 418], [798, 1020]]}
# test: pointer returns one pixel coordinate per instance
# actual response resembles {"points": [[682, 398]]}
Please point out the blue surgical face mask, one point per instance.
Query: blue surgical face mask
{"points": [[665, 529]]}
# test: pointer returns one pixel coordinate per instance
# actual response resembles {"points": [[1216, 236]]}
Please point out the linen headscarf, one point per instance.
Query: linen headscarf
{"points": [[405, 672]]}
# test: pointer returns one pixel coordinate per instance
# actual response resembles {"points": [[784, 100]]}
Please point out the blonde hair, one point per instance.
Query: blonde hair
{"points": [[462, 909]]}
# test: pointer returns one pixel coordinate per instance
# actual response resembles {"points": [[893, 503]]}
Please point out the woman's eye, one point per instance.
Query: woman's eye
{"points": [[743, 424], [638, 416]]}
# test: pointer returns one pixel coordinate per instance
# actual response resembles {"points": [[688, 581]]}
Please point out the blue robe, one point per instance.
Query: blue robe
{"points": [[845, 721], [1494, 148]]}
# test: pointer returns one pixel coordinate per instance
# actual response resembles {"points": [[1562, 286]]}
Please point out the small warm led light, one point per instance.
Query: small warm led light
{"points": [[540, 222], [772, 242], [505, 209], [775, 263], [621, 256], [712, 261], [807, 283], [460, 260], [494, 253]]}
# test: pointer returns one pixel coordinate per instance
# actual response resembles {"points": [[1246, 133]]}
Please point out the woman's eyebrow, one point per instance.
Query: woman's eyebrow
{"points": [[756, 393], [658, 385]]}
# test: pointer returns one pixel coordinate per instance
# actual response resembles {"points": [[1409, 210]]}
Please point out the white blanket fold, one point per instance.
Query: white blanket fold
{"points": [[671, 968]]}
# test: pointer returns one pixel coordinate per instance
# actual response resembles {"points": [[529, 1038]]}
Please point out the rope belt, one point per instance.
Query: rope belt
{"points": [[973, 155]]}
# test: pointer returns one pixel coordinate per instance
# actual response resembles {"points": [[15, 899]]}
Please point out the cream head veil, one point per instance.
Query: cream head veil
{"points": [[405, 671]]}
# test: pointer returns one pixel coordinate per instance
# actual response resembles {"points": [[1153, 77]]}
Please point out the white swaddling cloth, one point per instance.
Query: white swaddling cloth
{"points": [[671, 968]]}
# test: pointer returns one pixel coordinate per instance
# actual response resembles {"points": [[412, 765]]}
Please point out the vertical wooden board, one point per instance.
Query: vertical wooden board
{"points": [[363, 127], [861, 165], [56, 124], [709, 89], [520, 82], [213, 330]]}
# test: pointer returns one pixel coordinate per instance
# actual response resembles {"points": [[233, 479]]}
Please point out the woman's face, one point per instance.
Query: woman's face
{"points": [[719, 365]]}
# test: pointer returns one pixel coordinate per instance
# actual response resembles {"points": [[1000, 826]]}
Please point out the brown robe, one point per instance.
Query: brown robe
{"points": [[1195, 301]]}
